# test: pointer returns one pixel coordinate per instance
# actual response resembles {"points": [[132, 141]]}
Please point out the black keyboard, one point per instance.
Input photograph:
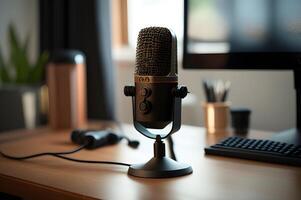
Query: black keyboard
{"points": [[260, 150]]}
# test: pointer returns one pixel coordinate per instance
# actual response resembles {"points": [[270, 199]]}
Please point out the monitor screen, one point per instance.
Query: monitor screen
{"points": [[259, 34]]}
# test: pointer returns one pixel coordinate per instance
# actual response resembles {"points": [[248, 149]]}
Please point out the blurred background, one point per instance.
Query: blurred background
{"points": [[106, 31]]}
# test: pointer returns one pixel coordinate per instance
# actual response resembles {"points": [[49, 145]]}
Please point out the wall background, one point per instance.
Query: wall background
{"points": [[24, 16], [270, 94]]}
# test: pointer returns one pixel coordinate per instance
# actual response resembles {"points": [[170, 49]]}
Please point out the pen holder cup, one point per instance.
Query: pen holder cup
{"points": [[216, 117]]}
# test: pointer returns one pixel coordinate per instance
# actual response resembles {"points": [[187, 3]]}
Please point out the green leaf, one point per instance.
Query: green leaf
{"points": [[18, 57], [4, 75], [37, 70], [18, 63], [1, 59], [26, 43]]}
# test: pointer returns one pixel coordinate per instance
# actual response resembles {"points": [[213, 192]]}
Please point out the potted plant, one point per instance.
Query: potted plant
{"points": [[20, 85]]}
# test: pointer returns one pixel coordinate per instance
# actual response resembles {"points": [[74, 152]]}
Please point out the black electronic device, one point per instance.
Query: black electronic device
{"points": [[99, 138], [246, 35], [156, 99], [259, 150], [242, 34]]}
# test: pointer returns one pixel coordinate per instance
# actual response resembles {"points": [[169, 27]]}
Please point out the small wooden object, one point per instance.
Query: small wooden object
{"points": [[66, 80], [216, 117]]}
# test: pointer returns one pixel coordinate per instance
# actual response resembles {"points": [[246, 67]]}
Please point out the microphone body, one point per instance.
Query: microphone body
{"points": [[155, 77], [153, 102]]}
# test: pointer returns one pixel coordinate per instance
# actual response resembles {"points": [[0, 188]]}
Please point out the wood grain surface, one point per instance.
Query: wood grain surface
{"points": [[212, 178]]}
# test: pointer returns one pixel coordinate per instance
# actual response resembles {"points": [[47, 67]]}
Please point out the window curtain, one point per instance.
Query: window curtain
{"points": [[83, 25]]}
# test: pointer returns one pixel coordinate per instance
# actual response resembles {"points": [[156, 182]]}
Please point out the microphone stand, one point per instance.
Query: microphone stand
{"points": [[160, 166], [171, 149]]}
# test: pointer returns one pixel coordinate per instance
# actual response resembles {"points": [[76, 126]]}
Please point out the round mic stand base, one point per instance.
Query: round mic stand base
{"points": [[160, 166]]}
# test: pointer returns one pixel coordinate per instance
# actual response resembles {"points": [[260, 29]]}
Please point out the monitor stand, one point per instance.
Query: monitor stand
{"points": [[293, 136]]}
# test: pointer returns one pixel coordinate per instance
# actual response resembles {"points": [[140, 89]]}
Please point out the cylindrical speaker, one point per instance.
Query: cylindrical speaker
{"points": [[66, 80]]}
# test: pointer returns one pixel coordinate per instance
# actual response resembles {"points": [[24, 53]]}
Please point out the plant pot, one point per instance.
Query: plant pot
{"points": [[20, 107]]}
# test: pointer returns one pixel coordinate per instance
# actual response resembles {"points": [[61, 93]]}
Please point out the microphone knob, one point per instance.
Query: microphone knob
{"points": [[129, 91], [181, 92], [145, 106], [145, 92]]}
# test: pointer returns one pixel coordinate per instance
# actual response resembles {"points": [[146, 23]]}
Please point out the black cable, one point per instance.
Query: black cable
{"points": [[171, 148], [72, 151], [92, 161], [44, 154], [132, 143], [62, 157], [59, 155]]}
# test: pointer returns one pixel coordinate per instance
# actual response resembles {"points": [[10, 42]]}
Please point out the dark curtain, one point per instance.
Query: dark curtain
{"points": [[83, 25]]}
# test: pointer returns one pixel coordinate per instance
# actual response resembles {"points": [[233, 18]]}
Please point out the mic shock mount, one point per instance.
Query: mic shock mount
{"points": [[160, 166]]}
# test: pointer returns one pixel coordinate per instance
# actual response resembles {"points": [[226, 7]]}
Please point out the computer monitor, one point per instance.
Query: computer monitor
{"points": [[244, 34]]}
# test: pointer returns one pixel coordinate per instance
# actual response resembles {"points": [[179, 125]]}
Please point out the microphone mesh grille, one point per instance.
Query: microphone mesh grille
{"points": [[153, 53]]}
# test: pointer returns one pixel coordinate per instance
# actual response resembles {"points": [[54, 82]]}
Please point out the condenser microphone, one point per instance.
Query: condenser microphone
{"points": [[156, 99], [155, 76]]}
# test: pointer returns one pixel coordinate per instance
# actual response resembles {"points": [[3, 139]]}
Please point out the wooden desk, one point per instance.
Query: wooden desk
{"points": [[213, 177]]}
